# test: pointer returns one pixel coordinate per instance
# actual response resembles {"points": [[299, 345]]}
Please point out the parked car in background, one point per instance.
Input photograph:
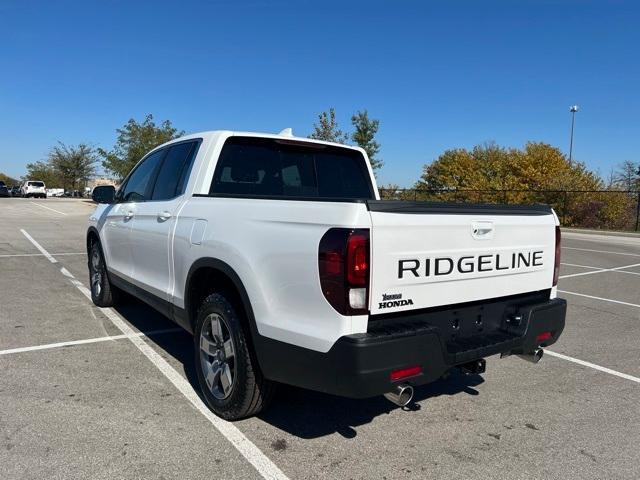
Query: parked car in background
{"points": [[15, 191], [72, 193], [34, 188], [55, 192], [4, 191]]}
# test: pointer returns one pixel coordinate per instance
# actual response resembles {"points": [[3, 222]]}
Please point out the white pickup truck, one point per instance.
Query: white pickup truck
{"points": [[278, 255]]}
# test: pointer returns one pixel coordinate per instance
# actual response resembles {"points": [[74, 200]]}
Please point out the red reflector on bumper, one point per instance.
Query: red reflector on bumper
{"points": [[405, 372], [543, 336]]}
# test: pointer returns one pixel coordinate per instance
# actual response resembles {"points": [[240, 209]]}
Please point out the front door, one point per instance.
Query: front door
{"points": [[154, 222], [121, 215]]}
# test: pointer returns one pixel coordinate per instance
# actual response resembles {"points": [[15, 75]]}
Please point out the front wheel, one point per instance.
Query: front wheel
{"points": [[229, 378], [103, 294]]}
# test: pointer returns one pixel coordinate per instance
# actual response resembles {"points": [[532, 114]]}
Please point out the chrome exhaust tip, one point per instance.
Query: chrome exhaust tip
{"points": [[533, 357], [401, 395]]}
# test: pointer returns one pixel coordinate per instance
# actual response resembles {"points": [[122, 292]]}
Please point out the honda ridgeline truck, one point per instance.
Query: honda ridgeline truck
{"points": [[278, 255]]}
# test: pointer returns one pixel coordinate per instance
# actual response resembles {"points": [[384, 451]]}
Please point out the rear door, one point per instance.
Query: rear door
{"points": [[116, 231], [154, 221], [427, 256]]}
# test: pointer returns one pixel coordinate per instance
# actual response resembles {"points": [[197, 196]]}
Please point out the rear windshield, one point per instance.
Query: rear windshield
{"points": [[290, 169], [35, 184]]}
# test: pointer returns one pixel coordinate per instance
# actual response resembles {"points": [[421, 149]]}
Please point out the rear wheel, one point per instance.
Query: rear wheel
{"points": [[230, 379], [103, 294]]}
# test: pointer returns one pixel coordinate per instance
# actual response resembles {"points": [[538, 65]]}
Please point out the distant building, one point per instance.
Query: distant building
{"points": [[102, 180]]}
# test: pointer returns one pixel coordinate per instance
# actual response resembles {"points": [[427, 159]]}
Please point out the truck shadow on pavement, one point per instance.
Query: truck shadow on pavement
{"points": [[302, 413], [307, 414]]}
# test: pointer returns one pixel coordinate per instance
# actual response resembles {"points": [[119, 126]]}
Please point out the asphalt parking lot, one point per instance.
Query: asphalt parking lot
{"points": [[84, 395]]}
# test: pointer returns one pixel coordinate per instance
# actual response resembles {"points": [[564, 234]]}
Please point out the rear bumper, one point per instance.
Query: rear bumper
{"points": [[360, 365]]}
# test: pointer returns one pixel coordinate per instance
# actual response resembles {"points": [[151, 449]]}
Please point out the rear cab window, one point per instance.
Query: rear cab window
{"points": [[290, 169]]}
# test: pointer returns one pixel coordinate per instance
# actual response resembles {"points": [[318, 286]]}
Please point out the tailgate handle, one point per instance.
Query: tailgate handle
{"points": [[482, 230]]}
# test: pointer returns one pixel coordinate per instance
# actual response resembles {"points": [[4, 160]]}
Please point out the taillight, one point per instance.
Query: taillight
{"points": [[343, 263], [556, 266], [358, 259]]}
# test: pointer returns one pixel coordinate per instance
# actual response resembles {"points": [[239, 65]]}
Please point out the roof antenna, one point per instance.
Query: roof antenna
{"points": [[287, 132]]}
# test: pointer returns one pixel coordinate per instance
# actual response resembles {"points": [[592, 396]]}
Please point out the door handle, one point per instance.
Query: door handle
{"points": [[128, 214], [162, 216]]}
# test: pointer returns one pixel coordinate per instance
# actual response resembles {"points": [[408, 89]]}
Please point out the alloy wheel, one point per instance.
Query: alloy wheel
{"points": [[217, 356], [96, 272]]}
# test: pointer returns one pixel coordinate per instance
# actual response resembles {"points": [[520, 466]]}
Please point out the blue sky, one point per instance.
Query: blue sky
{"points": [[438, 75]]}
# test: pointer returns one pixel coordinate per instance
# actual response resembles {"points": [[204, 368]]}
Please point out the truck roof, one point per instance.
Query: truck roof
{"points": [[282, 135]]}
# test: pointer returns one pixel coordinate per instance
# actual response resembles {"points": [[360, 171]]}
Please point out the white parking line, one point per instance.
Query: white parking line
{"points": [[265, 467], [600, 271], [600, 298], [48, 346], [12, 255], [629, 273], [576, 265], [592, 365], [49, 208], [602, 251], [39, 247]]}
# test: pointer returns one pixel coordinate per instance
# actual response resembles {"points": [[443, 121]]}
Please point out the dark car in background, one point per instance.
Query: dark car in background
{"points": [[4, 191], [15, 191]]}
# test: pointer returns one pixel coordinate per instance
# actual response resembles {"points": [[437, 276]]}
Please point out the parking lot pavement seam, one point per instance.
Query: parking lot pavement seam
{"points": [[593, 365], [85, 341], [263, 464], [600, 298], [600, 271]]}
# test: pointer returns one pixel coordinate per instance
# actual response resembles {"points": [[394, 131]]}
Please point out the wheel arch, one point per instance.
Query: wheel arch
{"points": [[92, 234], [208, 275]]}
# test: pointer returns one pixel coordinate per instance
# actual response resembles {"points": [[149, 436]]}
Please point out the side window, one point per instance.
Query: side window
{"points": [[137, 187], [174, 171]]}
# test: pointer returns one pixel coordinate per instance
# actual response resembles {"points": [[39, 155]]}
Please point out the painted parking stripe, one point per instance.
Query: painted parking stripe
{"points": [[629, 273], [602, 251], [592, 365], [263, 464], [109, 338], [39, 247], [600, 298], [576, 265], [15, 255], [599, 271], [590, 267], [49, 208]]}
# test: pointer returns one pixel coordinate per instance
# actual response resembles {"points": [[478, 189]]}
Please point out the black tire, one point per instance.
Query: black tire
{"points": [[103, 294], [249, 392]]}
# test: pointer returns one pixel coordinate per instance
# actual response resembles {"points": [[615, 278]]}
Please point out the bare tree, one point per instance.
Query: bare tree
{"points": [[627, 175]]}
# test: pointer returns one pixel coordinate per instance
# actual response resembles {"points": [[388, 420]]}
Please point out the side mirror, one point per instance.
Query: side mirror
{"points": [[104, 194]]}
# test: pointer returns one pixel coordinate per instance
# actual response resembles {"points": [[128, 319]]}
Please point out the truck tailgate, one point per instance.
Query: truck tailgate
{"points": [[427, 255]]}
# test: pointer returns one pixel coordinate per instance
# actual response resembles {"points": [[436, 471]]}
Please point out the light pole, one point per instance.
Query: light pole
{"points": [[573, 109]]}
